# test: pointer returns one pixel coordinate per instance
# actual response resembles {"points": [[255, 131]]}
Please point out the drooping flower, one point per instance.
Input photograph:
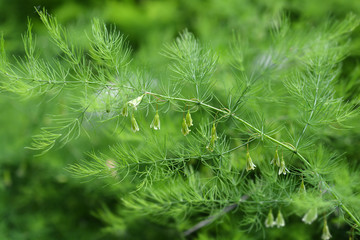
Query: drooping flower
{"points": [[283, 169], [280, 222], [302, 187], [135, 102], [156, 121], [249, 163], [269, 221], [326, 233], [184, 127], [124, 110], [213, 138], [189, 121], [276, 159], [310, 216], [134, 125], [211, 145]]}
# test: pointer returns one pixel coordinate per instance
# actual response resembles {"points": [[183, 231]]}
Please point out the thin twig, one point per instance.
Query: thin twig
{"points": [[212, 218]]}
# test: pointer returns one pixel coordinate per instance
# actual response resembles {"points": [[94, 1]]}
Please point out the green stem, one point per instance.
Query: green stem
{"points": [[284, 145]]}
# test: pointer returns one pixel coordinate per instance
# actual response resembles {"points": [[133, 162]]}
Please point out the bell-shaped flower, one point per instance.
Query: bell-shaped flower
{"points": [[326, 233], [283, 169], [276, 159], [280, 222], [134, 125], [189, 121], [213, 132], [269, 221], [184, 128], [135, 102], [302, 187], [156, 122], [213, 138], [310, 216], [211, 145], [249, 163], [124, 110]]}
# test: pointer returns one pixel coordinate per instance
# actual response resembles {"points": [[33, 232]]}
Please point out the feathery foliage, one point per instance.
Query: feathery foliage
{"points": [[203, 159]]}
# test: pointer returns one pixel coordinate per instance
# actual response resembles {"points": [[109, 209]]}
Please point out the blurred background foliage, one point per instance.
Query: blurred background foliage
{"points": [[40, 200]]}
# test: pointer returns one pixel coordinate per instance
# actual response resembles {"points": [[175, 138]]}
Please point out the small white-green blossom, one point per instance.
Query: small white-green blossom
{"points": [[189, 121], [135, 102], [124, 110], [211, 145], [134, 125], [184, 128], [156, 122], [280, 222], [249, 163], [269, 221], [276, 159], [302, 187], [310, 216], [326, 233], [283, 169]]}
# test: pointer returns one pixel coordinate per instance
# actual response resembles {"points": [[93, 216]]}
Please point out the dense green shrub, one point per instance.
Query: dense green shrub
{"points": [[265, 111]]}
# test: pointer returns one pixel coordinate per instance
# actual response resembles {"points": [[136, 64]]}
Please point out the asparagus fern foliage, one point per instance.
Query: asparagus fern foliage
{"points": [[247, 133]]}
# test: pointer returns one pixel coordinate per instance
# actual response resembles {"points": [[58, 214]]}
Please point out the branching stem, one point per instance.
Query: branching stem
{"points": [[284, 145]]}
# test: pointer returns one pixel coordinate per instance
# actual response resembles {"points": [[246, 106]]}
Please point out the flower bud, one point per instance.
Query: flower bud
{"points": [[269, 222], [310, 216], [249, 163], [184, 127], [280, 222], [124, 110], [189, 121], [156, 121], [134, 125], [326, 233], [135, 102]]}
